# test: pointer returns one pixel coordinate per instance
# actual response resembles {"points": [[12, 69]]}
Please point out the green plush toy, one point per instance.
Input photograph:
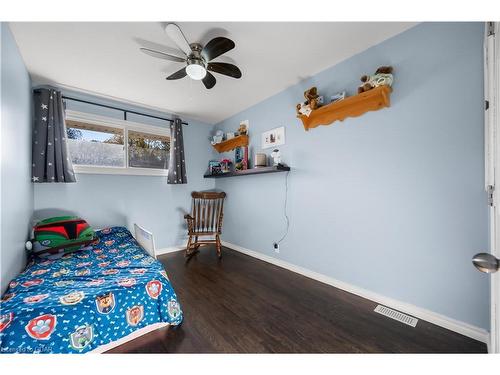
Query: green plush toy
{"points": [[61, 235]]}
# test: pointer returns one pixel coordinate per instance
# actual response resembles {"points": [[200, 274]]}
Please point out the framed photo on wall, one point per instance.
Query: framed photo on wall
{"points": [[274, 137]]}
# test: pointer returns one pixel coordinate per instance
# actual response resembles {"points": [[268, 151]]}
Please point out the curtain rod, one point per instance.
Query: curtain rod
{"points": [[125, 111]]}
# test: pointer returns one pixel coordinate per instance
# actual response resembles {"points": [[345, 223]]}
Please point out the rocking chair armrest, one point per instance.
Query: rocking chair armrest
{"points": [[188, 217]]}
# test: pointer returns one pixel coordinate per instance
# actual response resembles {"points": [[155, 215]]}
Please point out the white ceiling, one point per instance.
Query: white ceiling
{"points": [[104, 58]]}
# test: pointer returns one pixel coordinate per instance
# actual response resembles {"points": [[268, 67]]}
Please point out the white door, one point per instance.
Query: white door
{"points": [[492, 167]]}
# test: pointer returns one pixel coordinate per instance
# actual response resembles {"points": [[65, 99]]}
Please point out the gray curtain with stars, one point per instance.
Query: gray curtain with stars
{"points": [[50, 158], [176, 163]]}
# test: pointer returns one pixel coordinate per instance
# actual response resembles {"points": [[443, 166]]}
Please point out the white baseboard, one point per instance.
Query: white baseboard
{"points": [[171, 249], [463, 328]]}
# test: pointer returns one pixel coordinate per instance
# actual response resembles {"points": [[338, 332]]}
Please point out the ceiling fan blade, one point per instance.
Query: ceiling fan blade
{"points": [[175, 33], [225, 68], [209, 80], [216, 47], [162, 55], [178, 74]]}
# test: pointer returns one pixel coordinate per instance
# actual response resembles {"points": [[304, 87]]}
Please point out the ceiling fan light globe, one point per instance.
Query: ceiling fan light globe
{"points": [[196, 71]]}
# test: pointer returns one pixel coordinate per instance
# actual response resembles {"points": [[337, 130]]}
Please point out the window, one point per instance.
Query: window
{"points": [[103, 145], [148, 150], [95, 145]]}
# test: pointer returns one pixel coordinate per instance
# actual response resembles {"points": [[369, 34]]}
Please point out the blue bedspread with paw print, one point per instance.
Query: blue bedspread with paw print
{"points": [[86, 299]]}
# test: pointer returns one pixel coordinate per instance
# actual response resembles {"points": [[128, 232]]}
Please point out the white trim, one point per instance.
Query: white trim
{"points": [[129, 337], [489, 129], [492, 162], [443, 321], [124, 125], [171, 249], [116, 123], [131, 171], [495, 279]]}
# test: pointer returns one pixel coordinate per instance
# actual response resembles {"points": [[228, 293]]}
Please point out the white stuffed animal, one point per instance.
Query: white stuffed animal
{"points": [[276, 157]]}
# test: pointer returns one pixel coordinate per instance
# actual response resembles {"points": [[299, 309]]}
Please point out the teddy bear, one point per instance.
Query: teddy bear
{"points": [[312, 102], [382, 77], [242, 130]]}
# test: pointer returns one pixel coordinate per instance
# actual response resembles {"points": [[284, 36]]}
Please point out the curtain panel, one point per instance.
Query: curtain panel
{"points": [[50, 158], [177, 163]]}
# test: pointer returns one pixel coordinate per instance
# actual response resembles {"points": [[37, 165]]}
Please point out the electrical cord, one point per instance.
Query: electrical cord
{"points": [[285, 209]]}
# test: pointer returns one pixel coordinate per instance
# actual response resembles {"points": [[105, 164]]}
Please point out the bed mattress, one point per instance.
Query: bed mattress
{"points": [[88, 299]]}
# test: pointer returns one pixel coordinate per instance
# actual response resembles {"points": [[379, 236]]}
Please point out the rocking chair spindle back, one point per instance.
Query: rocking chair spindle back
{"points": [[205, 220]]}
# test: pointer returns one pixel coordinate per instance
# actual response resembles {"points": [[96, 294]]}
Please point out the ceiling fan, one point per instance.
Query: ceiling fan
{"points": [[198, 58]]}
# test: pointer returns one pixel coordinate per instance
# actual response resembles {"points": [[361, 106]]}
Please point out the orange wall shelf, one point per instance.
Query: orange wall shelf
{"points": [[231, 144], [352, 106]]}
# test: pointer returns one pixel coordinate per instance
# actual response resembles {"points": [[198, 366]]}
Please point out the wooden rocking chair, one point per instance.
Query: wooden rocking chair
{"points": [[205, 220]]}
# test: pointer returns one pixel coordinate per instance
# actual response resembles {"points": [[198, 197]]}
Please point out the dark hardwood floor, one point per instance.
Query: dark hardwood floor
{"points": [[243, 305]]}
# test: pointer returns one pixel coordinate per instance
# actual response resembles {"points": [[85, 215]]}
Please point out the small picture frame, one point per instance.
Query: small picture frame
{"points": [[274, 137], [214, 167], [225, 165]]}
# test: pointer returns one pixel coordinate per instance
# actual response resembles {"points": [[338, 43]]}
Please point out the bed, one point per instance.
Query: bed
{"points": [[88, 301]]}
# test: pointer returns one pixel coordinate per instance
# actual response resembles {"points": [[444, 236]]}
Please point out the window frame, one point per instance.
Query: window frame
{"points": [[124, 125]]}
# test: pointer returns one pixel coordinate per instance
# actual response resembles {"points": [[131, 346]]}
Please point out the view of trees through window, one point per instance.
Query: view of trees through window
{"points": [[96, 145], [148, 150]]}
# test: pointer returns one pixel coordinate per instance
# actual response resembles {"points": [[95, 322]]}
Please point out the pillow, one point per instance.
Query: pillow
{"points": [[57, 236]]}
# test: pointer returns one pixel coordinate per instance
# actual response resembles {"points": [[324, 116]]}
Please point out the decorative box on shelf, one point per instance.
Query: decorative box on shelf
{"points": [[353, 106], [231, 144]]}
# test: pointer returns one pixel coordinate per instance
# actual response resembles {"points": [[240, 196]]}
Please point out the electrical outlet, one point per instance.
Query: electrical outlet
{"points": [[276, 247]]}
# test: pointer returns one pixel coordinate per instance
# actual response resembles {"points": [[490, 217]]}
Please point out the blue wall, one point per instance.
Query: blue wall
{"points": [[16, 188], [106, 200], [392, 201]]}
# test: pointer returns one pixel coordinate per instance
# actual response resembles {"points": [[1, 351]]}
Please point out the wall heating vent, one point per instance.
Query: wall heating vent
{"points": [[396, 315]]}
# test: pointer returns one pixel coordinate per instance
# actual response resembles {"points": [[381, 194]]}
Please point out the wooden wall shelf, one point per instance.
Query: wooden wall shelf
{"points": [[250, 171], [352, 106], [231, 144]]}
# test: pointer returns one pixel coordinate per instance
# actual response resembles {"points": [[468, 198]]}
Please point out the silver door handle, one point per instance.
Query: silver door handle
{"points": [[486, 263]]}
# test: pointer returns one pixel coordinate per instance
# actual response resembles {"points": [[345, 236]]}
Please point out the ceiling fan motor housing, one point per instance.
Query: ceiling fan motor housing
{"points": [[196, 65]]}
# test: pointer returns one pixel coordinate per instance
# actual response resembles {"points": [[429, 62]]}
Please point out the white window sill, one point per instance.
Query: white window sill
{"points": [[84, 169]]}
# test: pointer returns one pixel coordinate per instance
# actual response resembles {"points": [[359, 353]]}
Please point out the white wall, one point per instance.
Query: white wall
{"points": [[393, 201], [16, 188]]}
